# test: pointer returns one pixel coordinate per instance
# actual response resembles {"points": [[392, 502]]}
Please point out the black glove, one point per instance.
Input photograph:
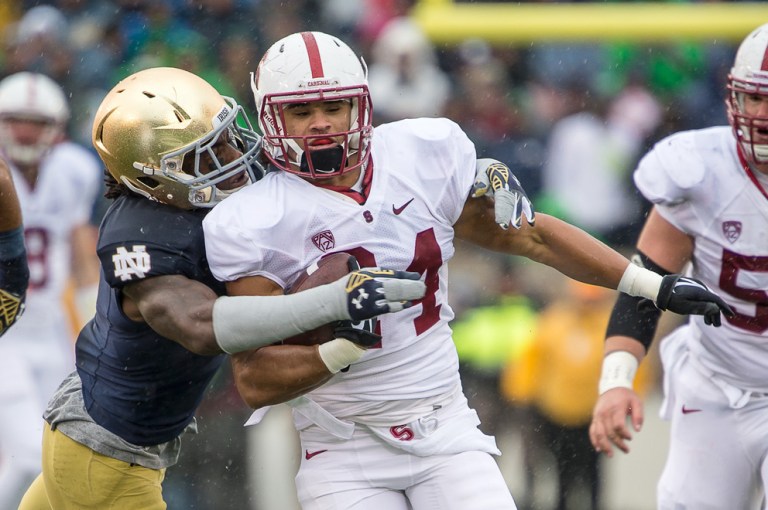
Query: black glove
{"points": [[360, 333], [683, 295]]}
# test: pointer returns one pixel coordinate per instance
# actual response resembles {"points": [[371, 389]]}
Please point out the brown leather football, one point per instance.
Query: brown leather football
{"points": [[328, 269]]}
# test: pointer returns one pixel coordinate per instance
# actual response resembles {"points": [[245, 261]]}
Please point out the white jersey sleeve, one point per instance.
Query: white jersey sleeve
{"points": [[690, 176], [450, 153]]}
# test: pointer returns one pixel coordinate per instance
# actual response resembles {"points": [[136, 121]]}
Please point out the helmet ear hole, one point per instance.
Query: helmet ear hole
{"points": [[149, 182]]}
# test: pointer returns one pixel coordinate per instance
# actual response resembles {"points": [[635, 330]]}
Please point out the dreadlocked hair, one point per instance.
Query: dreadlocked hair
{"points": [[114, 189]]}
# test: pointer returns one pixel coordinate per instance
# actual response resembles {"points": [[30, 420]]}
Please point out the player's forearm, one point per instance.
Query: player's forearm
{"points": [[10, 210], [275, 374], [575, 253]]}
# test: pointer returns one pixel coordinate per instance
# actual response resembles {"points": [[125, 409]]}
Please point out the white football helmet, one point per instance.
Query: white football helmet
{"points": [[749, 76], [307, 67], [156, 120], [33, 97]]}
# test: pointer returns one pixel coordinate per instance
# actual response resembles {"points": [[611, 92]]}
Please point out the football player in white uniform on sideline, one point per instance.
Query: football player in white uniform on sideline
{"points": [[709, 188], [57, 182], [386, 428], [14, 272]]}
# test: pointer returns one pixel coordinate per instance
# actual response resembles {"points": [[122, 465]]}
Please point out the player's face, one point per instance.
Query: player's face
{"points": [[27, 131], [756, 105], [226, 151], [318, 118]]}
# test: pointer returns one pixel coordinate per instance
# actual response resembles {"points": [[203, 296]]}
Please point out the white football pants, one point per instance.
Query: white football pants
{"points": [[718, 446], [365, 473]]}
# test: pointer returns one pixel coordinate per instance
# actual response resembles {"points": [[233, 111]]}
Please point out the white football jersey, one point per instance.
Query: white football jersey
{"points": [[422, 173], [63, 197], [699, 184]]}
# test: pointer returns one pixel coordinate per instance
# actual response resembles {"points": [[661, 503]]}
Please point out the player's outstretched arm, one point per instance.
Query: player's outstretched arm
{"points": [[247, 320], [14, 272], [580, 256], [189, 312]]}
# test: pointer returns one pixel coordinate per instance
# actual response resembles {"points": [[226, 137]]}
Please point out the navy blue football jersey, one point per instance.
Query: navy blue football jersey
{"points": [[138, 384]]}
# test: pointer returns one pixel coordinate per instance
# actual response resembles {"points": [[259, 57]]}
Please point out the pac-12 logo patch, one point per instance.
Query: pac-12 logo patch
{"points": [[324, 240], [131, 263], [731, 230]]}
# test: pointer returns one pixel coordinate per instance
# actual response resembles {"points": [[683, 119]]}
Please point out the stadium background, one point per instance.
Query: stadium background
{"points": [[508, 72]]}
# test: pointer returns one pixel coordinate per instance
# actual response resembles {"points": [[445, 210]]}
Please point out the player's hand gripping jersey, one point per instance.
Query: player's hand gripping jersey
{"points": [[701, 186], [421, 174]]}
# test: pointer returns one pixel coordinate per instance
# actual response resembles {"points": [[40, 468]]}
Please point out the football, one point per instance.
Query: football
{"points": [[328, 269]]}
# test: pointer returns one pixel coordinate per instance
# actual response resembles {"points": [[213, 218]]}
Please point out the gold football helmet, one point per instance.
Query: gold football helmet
{"points": [[152, 120]]}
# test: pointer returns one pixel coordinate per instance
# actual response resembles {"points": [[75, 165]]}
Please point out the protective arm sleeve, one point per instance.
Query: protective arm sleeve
{"points": [[14, 277], [241, 323]]}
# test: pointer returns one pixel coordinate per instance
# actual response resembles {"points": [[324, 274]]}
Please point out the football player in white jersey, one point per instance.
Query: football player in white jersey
{"points": [[57, 183], [14, 272], [387, 427], [709, 188]]}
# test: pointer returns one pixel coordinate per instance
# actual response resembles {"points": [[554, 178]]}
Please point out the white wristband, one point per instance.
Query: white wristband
{"points": [[339, 353], [641, 282], [619, 369]]}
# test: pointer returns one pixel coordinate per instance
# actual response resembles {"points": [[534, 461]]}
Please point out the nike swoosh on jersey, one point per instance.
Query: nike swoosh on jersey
{"points": [[398, 210], [687, 410], [308, 455]]}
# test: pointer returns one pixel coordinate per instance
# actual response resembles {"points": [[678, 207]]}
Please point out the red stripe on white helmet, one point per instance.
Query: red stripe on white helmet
{"points": [[313, 52]]}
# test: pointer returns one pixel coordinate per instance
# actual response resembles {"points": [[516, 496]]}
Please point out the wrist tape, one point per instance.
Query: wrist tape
{"points": [[619, 368], [339, 353], [638, 281]]}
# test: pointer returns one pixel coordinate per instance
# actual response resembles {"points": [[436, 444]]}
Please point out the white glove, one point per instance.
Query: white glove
{"points": [[494, 178]]}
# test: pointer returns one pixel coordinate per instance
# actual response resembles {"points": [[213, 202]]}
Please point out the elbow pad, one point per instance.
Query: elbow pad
{"points": [[636, 317], [14, 277]]}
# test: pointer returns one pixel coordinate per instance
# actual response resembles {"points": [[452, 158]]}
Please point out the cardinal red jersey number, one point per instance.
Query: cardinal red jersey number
{"points": [[427, 259], [37, 244], [732, 264]]}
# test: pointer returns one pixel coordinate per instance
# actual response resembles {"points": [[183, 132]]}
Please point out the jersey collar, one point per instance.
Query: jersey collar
{"points": [[750, 172], [358, 196]]}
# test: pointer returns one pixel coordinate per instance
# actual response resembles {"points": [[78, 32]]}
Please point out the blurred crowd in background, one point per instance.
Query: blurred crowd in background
{"points": [[570, 119]]}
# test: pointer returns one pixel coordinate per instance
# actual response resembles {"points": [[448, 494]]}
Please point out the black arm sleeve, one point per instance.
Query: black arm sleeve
{"points": [[636, 317], [14, 277]]}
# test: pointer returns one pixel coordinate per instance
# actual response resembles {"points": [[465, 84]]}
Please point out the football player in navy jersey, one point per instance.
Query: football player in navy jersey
{"points": [[14, 273], [173, 148]]}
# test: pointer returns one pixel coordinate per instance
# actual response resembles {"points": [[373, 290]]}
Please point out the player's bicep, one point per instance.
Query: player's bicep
{"points": [[477, 225], [665, 244]]}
